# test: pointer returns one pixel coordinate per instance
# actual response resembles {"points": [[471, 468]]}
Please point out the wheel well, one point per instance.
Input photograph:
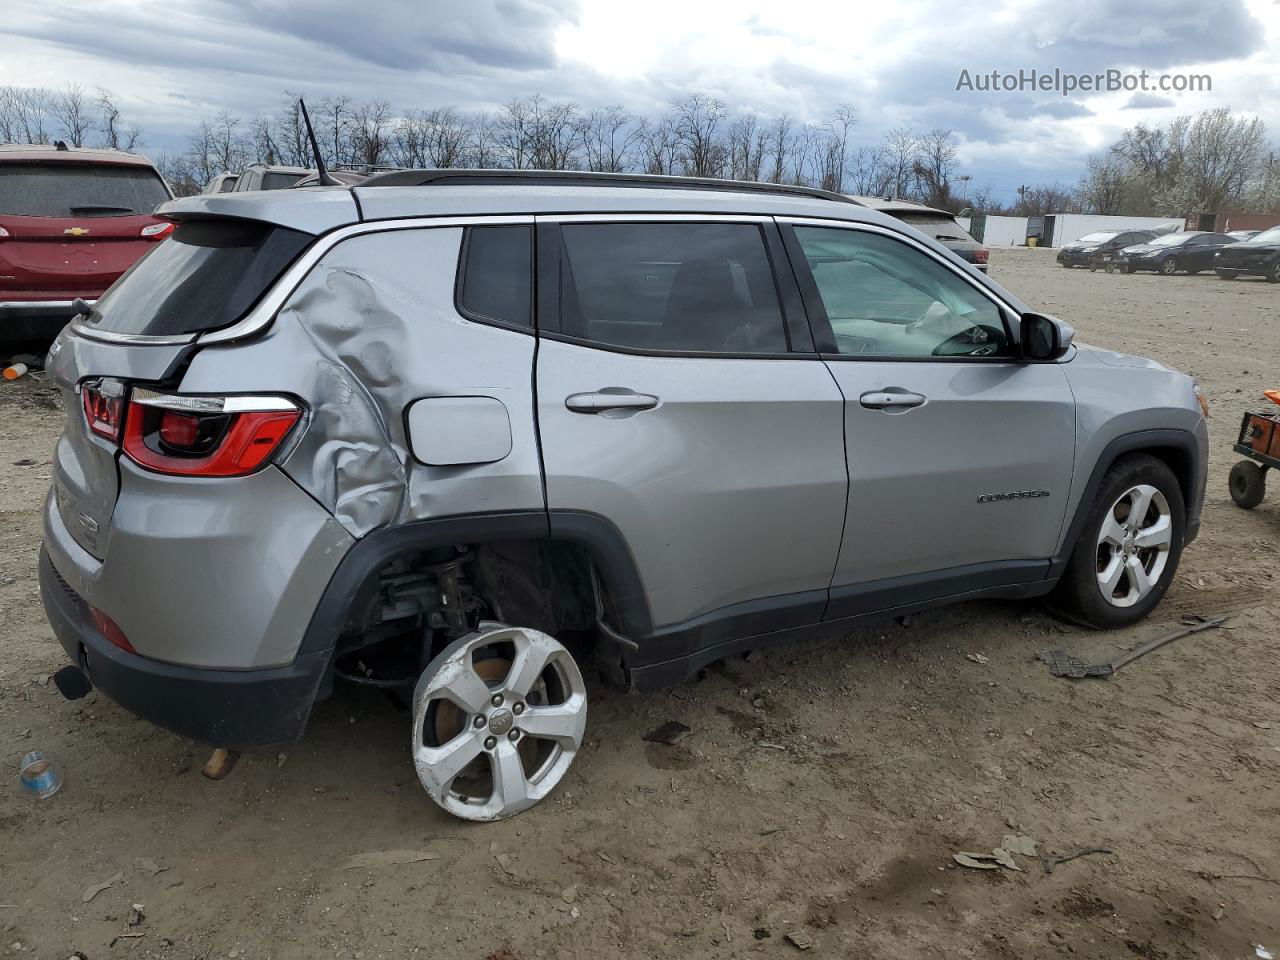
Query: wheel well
{"points": [[1177, 459]]}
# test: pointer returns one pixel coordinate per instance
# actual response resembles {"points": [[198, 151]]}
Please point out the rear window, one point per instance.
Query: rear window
{"points": [[933, 225], [206, 276], [279, 181], [78, 190]]}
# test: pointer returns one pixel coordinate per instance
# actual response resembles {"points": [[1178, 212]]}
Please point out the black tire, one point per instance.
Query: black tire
{"points": [[1191, 272], [1273, 274], [1168, 266], [1066, 266], [1247, 483], [1093, 267], [1226, 274], [1125, 268], [1077, 596]]}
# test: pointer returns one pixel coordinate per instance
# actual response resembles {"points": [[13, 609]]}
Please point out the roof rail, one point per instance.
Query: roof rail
{"points": [[589, 178]]}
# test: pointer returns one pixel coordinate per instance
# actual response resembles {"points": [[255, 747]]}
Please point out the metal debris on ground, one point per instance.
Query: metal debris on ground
{"points": [[1051, 862], [800, 940], [1262, 953], [977, 658], [670, 733], [136, 916], [1001, 856], [97, 888], [1062, 664]]}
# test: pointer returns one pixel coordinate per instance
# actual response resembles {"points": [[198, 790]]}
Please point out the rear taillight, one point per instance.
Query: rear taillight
{"points": [[3, 233], [103, 402], [109, 629], [981, 254], [157, 231], [206, 436]]}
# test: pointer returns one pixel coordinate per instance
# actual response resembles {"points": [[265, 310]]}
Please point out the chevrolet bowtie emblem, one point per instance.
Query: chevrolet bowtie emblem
{"points": [[76, 231]]}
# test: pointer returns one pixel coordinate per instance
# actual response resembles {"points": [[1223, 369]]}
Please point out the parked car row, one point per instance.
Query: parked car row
{"points": [[1229, 255]]}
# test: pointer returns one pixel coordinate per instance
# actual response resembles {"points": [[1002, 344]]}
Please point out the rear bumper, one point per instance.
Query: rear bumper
{"points": [[223, 708]]}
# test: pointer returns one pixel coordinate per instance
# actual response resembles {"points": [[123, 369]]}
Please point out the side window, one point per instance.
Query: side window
{"points": [[704, 287], [884, 298], [497, 275]]}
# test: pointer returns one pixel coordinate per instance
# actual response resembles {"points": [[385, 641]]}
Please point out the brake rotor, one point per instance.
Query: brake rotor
{"points": [[450, 719]]}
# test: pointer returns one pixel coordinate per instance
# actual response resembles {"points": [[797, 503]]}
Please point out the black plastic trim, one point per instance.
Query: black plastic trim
{"points": [[747, 618], [856, 599], [1136, 442]]}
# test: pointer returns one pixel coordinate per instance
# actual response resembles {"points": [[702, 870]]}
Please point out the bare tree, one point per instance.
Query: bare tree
{"points": [[606, 136], [780, 146], [115, 136], [697, 122], [371, 132], [933, 167], [657, 146], [71, 109]]}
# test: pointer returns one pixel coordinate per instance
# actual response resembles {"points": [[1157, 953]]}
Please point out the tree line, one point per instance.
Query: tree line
{"points": [[1212, 161]]}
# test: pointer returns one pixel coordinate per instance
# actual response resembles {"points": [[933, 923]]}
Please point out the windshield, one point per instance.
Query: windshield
{"points": [[207, 275], [273, 180], [1271, 235], [1171, 239], [78, 190], [1097, 237]]}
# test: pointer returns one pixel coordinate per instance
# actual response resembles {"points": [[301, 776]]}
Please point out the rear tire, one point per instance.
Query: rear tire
{"points": [[1226, 274], [1168, 267], [1123, 563], [1248, 484], [1273, 275]]}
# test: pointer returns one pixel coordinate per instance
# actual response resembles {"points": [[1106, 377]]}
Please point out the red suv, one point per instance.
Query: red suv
{"points": [[71, 221]]}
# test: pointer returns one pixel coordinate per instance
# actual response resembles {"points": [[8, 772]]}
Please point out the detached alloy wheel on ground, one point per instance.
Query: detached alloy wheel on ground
{"points": [[498, 718], [1129, 549], [1247, 483]]}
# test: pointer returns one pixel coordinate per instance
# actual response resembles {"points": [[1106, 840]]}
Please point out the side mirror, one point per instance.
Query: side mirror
{"points": [[1044, 338]]}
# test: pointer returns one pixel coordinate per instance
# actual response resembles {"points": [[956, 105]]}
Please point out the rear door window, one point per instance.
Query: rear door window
{"points": [[692, 287], [206, 276], [78, 190], [496, 282]]}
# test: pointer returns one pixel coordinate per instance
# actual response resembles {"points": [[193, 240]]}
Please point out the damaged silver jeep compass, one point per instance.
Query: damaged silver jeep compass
{"points": [[458, 433]]}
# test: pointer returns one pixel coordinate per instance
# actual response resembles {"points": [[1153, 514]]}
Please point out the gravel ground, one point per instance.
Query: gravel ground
{"points": [[821, 794]]}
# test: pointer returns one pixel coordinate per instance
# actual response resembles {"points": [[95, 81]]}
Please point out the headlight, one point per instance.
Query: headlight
{"points": [[1200, 398]]}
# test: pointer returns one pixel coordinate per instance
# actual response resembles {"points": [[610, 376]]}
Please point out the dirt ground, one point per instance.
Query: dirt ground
{"points": [[822, 791]]}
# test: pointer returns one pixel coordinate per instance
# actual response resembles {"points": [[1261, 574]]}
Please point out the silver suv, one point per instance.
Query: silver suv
{"points": [[452, 433]]}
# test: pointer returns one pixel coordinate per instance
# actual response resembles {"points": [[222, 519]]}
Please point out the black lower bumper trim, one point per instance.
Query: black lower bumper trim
{"points": [[223, 708]]}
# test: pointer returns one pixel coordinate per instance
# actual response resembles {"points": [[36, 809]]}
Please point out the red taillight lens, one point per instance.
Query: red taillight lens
{"points": [[156, 231], [103, 407], [981, 254], [109, 629], [206, 436]]}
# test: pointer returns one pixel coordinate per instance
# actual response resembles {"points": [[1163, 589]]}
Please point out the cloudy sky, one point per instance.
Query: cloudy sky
{"points": [[897, 63]]}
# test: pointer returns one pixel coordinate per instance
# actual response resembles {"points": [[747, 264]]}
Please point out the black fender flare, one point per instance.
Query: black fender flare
{"points": [[1190, 477], [602, 540]]}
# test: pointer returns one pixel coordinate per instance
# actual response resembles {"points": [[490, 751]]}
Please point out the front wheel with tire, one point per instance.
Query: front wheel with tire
{"points": [[1247, 483], [498, 718], [1273, 275], [1129, 549], [1168, 267]]}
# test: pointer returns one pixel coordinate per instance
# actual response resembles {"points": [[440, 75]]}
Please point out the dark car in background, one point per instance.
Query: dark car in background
{"points": [[931, 221], [1258, 257], [1190, 251], [1098, 246], [1243, 234], [71, 221]]}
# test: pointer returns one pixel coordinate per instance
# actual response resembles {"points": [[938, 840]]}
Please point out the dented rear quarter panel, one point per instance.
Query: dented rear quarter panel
{"points": [[371, 329]]}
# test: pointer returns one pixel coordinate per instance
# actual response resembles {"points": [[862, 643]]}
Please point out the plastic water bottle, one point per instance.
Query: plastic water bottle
{"points": [[39, 777]]}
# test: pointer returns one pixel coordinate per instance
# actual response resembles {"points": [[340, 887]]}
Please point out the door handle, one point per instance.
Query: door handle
{"points": [[892, 398], [610, 398]]}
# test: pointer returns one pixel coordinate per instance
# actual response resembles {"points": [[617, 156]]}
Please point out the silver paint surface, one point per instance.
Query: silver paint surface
{"points": [[371, 329], [207, 572]]}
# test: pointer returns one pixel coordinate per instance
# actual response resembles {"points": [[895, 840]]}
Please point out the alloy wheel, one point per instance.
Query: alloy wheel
{"points": [[1133, 545], [1169, 267], [489, 742]]}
